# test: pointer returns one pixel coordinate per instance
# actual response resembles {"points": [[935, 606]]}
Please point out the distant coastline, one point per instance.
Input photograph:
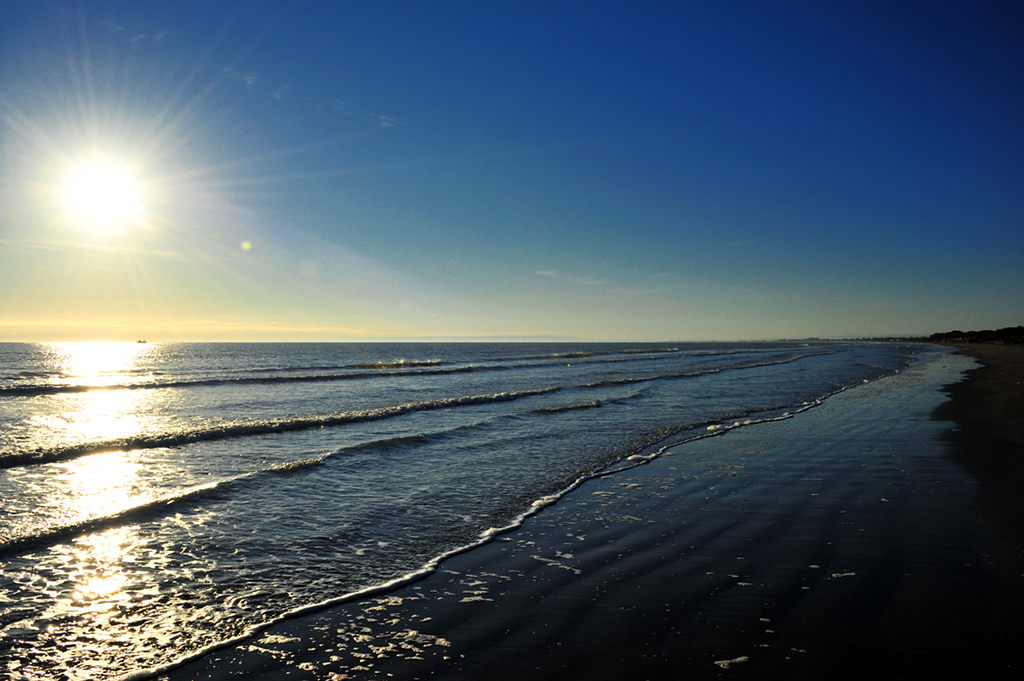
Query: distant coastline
{"points": [[1010, 335]]}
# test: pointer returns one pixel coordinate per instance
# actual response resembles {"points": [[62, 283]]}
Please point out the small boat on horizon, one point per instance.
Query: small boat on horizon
{"points": [[143, 340]]}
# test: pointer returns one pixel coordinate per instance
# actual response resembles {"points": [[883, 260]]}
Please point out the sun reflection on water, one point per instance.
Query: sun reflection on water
{"points": [[98, 363], [100, 577], [101, 411], [100, 485], [95, 580], [105, 415]]}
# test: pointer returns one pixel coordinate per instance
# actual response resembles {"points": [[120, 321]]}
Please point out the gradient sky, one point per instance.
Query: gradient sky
{"points": [[550, 170]]}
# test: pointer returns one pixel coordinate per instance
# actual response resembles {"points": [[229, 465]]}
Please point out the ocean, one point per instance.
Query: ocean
{"points": [[160, 500]]}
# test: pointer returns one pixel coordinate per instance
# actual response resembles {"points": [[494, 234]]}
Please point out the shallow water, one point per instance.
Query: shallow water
{"points": [[159, 499], [842, 544]]}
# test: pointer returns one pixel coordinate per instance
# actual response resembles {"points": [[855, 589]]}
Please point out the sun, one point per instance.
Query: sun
{"points": [[102, 194]]}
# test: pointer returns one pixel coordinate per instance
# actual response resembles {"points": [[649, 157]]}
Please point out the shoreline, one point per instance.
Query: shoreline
{"points": [[832, 545]]}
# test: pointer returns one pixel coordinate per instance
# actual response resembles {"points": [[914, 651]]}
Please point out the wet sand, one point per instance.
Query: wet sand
{"points": [[848, 542]]}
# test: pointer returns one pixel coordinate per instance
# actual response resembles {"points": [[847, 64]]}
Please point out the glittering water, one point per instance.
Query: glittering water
{"points": [[159, 499]]}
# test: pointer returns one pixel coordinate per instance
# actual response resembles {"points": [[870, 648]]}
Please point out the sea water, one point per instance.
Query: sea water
{"points": [[161, 499]]}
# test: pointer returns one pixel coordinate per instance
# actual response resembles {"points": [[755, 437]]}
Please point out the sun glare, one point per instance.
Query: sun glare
{"points": [[102, 194]]}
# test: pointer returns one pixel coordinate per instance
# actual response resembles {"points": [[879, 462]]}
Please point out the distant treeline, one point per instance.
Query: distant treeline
{"points": [[1011, 334]]}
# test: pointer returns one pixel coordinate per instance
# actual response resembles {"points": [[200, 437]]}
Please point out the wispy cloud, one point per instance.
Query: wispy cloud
{"points": [[279, 92], [157, 37], [333, 105], [117, 29], [267, 84], [248, 78], [336, 105], [383, 121], [583, 281]]}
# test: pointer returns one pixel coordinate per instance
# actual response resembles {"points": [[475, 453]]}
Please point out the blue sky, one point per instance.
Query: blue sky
{"points": [[607, 171]]}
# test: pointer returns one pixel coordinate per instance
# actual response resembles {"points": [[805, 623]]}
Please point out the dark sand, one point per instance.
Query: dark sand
{"points": [[989, 408], [846, 543]]}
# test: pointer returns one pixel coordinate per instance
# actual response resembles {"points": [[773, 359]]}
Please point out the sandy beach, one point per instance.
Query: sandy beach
{"points": [[875, 536], [989, 410]]}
